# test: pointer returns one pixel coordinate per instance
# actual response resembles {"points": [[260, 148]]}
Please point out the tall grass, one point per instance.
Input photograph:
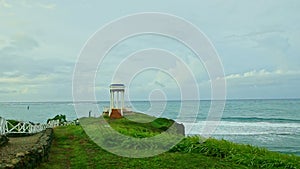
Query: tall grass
{"points": [[247, 155]]}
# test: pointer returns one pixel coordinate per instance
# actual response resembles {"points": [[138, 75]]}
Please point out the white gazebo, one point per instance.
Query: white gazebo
{"points": [[116, 100]]}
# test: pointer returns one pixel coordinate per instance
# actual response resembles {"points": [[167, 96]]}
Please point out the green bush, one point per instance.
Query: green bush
{"points": [[61, 118], [140, 130]]}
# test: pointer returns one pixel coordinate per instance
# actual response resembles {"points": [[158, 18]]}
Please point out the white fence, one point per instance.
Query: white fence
{"points": [[7, 127]]}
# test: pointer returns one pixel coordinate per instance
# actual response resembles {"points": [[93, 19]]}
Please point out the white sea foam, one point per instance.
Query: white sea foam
{"points": [[243, 128]]}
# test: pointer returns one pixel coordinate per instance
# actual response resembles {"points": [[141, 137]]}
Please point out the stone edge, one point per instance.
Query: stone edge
{"points": [[32, 158]]}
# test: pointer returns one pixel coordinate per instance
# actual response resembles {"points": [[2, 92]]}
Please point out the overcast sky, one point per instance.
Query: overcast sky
{"points": [[258, 43]]}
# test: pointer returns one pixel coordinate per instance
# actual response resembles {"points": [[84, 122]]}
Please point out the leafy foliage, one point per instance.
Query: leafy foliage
{"points": [[61, 118]]}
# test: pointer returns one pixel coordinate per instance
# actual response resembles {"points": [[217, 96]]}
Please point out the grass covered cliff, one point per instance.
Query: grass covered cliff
{"points": [[73, 148]]}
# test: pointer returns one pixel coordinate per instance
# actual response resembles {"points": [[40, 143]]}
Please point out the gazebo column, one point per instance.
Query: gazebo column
{"points": [[122, 102], [117, 102], [112, 101]]}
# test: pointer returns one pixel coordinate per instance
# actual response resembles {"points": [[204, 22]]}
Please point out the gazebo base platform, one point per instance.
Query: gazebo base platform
{"points": [[115, 114]]}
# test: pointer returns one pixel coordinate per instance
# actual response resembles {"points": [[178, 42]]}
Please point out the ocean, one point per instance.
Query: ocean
{"points": [[273, 124]]}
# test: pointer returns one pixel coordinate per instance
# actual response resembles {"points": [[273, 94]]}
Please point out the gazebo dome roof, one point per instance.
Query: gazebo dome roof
{"points": [[117, 84], [117, 87]]}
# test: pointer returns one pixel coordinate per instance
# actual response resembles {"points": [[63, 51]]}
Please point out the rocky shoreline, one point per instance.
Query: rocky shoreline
{"points": [[26, 152]]}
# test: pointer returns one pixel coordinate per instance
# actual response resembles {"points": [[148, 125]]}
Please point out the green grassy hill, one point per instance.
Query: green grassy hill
{"points": [[72, 148]]}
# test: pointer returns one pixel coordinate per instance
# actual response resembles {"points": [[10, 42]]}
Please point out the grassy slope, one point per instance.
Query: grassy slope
{"points": [[72, 148]]}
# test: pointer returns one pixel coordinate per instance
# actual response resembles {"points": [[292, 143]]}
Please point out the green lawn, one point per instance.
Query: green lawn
{"points": [[72, 148]]}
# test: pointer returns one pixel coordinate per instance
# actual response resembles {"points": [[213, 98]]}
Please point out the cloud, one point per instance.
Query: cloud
{"points": [[262, 73], [16, 86], [39, 47], [18, 44], [24, 53], [11, 74], [252, 73], [22, 41], [159, 84], [263, 77], [25, 79], [3, 42], [253, 34], [26, 4], [15, 90], [5, 4], [47, 6], [264, 84], [267, 39], [8, 91]]}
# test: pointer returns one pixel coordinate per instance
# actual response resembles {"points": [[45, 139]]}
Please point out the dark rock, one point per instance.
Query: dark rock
{"points": [[180, 128]]}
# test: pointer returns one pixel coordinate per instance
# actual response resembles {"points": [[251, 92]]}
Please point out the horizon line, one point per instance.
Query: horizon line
{"points": [[70, 101]]}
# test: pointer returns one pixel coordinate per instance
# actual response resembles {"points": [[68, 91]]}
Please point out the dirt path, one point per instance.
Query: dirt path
{"points": [[16, 145]]}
